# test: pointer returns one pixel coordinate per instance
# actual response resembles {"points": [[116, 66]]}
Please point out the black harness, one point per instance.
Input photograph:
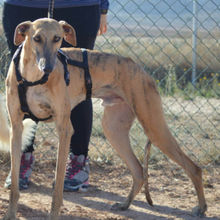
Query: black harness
{"points": [[23, 84]]}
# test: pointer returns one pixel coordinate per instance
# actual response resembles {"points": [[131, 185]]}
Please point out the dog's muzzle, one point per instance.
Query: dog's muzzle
{"points": [[47, 69]]}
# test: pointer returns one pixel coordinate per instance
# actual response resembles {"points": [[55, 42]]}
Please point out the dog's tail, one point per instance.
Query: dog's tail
{"points": [[5, 130], [146, 159]]}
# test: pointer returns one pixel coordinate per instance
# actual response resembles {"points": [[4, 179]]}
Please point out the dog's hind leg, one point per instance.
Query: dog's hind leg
{"points": [[117, 121], [165, 141], [146, 160], [149, 111]]}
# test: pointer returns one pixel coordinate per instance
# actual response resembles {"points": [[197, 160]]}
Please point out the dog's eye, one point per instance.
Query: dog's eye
{"points": [[37, 39], [56, 39]]}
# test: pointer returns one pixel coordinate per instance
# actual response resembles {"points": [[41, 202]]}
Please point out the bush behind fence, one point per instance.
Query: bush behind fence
{"points": [[158, 35]]}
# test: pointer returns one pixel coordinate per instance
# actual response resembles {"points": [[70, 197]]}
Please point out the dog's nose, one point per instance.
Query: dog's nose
{"points": [[48, 69]]}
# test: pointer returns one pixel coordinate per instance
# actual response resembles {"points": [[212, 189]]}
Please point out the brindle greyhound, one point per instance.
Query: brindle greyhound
{"points": [[127, 92]]}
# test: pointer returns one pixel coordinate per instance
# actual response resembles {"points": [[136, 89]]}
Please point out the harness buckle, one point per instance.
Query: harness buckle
{"points": [[88, 82]]}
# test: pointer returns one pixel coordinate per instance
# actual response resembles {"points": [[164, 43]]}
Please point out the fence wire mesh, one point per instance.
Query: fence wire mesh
{"points": [[177, 42]]}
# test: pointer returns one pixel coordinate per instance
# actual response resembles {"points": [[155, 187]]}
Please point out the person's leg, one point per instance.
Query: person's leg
{"points": [[82, 114], [11, 17], [85, 21]]}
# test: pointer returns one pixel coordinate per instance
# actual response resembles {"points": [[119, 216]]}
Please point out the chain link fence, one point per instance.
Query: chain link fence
{"points": [[177, 42]]}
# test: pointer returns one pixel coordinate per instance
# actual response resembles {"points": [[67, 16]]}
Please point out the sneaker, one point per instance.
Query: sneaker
{"points": [[77, 173], [26, 169]]}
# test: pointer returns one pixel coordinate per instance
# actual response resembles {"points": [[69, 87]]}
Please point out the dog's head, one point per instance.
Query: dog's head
{"points": [[45, 36]]}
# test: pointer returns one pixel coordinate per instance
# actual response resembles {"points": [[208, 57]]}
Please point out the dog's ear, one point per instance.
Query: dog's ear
{"points": [[21, 31], [69, 32]]}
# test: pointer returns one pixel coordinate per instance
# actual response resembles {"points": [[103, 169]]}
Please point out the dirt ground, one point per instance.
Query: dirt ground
{"points": [[173, 197]]}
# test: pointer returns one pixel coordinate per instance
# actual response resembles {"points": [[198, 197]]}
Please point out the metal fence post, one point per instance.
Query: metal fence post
{"points": [[194, 42]]}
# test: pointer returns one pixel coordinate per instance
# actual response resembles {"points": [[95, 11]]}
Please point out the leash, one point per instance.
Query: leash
{"points": [[50, 9]]}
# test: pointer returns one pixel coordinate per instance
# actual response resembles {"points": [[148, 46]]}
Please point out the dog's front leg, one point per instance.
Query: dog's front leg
{"points": [[65, 130], [16, 142]]}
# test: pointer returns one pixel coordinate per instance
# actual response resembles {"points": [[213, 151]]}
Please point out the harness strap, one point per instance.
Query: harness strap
{"points": [[22, 87], [63, 58], [88, 80], [23, 84], [84, 65]]}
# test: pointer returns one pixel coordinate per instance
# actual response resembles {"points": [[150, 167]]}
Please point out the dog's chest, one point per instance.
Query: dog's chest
{"points": [[39, 102]]}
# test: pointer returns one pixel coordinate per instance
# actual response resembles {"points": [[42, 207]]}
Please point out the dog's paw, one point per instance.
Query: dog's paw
{"points": [[81, 189], [8, 218], [10, 215], [198, 211], [119, 207]]}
